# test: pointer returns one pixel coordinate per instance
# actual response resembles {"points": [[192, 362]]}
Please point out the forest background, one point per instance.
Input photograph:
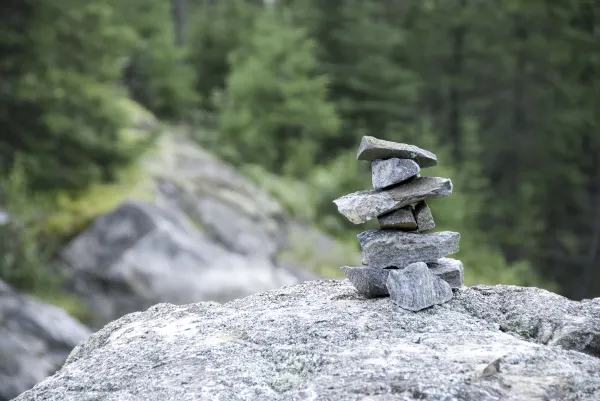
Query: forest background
{"points": [[505, 92]]}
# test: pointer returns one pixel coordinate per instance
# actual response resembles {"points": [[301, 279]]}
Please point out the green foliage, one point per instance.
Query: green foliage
{"points": [[217, 30], [274, 108], [59, 110], [156, 74]]}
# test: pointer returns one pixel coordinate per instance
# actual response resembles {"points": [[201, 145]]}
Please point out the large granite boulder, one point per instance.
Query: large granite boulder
{"points": [[319, 340], [142, 254], [35, 340]]}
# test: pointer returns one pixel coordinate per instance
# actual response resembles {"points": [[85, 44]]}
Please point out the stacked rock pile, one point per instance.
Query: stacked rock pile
{"points": [[402, 259]]}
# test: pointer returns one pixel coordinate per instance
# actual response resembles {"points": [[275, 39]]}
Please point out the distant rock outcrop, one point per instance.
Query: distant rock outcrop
{"points": [[203, 232], [320, 340], [35, 340]]}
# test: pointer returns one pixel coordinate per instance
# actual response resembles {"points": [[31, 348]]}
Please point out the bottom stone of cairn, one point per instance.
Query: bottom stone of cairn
{"points": [[371, 282]]}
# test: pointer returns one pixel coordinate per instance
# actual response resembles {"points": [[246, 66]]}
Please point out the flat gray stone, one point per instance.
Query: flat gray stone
{"points": [[401, 219], [391, 248], [415, 287], [368, 281], [450, 270], [362, 206], [388, 172], [372, 148], [423, 217]]}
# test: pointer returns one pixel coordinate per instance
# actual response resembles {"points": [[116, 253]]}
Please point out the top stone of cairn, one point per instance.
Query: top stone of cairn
{"points": [[372, 148]]}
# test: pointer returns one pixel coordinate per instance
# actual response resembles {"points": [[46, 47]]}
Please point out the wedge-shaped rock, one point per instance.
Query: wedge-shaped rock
{"points": [[372, 148], [388, 172], [423, 217], [362, 206], [371, 281], [415, 287], [368, 281], [391, 248], [450, 270], [401, 219]]}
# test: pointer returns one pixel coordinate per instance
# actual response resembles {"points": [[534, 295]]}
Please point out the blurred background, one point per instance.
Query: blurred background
{"points": [[505, 92], [188, 150]]}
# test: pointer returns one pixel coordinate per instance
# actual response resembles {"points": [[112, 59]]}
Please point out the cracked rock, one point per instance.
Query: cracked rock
{"points": [[415, 287], [388, 172], [372, 148], [362, 206], [387, 248]]}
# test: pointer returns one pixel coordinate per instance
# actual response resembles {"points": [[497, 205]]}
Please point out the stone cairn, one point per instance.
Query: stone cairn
{"points": [[402, 259]]}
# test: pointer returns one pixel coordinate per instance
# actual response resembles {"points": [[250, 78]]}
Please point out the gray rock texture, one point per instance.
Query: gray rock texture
{"points": [[388, 172], [450, 270], [423, 217], [368, 281], [320, 340], [401, 219], [371, 281], [360, 207], [35, 340], [371, 148], [142, 254], [415, 287], [391, 248]]}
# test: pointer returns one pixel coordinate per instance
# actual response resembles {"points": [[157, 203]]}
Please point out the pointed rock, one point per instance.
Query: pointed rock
{"points": [[450, 270], [391, 248], [401, 219], [367, 281], [423, 217], [363, 206], [415, 287], [372, 148], [388, 172]]}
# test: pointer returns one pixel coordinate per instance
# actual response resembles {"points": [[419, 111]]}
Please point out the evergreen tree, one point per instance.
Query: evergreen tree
{"points": [[275, 107]]}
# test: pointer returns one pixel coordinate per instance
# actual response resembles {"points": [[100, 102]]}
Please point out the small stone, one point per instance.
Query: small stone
{"points": [[415, 287], [492, 369], [401, 219], [450, 270], [391, 248], [367, 281], [372, 148], [423, 217], [360, 207], [388, 172]]}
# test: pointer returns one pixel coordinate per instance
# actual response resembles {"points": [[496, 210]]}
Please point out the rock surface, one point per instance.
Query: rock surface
{"points": [[415, 287], [423, 217], [371, 148], [35, 340], [368, 281], [320, 340], [388, 172], [450, 270], [401, 219], [391, 248], [362, 206], [142, 254]]}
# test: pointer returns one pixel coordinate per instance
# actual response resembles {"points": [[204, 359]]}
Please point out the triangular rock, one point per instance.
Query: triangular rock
{"points": [[360, 207], [450, 270], [415, 287], [423, 217], [372, 148]]}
